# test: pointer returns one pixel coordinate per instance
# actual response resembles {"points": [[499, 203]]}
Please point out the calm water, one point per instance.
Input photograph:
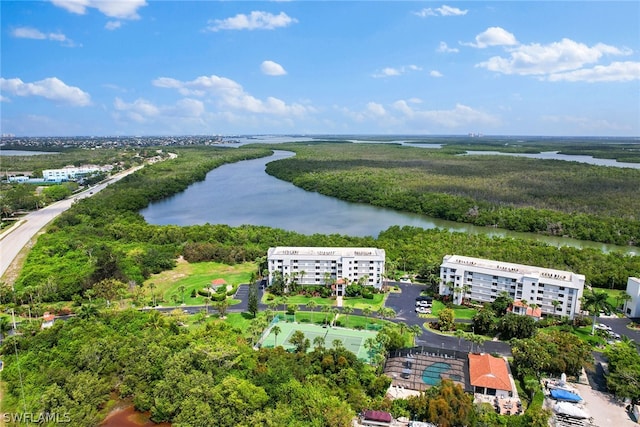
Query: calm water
{"points": [[554, 155], [242, 193], [24, 153]]}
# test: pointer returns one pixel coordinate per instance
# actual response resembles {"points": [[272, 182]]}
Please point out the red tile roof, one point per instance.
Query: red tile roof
{"points": [[218, 282], [488, 371], [380, 416], [48, 317], [530, 311]]}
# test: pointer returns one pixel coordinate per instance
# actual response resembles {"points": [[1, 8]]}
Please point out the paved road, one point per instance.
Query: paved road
{"points": [[13, 240], [404, 304]]}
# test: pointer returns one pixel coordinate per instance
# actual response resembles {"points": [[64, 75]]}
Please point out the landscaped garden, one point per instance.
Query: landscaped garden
{"points": [[187, 282]]}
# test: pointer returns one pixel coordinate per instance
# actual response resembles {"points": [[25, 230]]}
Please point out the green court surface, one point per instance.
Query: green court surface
{"points": [[353, 340]]}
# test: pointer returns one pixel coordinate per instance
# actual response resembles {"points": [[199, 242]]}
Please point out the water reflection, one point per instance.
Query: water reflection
{"points": [[242, 193]]}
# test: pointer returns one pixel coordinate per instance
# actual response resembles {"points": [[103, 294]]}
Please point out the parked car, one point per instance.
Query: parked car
{"points": [[423, 304], [424, 298], [423, 310], [603, 327]]}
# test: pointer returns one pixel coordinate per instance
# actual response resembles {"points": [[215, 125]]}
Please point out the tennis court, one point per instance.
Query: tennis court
{"points": [[353, 340]]}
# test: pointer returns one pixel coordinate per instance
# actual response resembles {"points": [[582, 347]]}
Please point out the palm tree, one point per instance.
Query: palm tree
{"points": [[275, 331], [318, 342], [476, 339], [325, 309], [152, 286], [367, 311], [465, 290], [207, 300], [335, 311], [222, 307], [292, 308], [416, 331], [283, 300], [347, 310], [460, 334], [311, 305], [175, 298], [182, 288], [596, 302], [391, 313], [622, 299], [273, 305], [555, 304]]}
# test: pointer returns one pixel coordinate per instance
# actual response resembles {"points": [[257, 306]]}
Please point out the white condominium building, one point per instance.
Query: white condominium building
{"points": [[632, 307], [70, 172], [314, 266], [482, 280]]}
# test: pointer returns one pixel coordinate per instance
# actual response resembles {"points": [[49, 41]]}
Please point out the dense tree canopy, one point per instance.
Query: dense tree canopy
{"points": [[204, 376], [529, 195]]}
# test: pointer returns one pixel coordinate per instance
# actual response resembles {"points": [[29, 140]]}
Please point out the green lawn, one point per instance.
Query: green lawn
{"points": [[303, 300], [298, 299], [195, 276], [459, 312], [240, 320], [584, 333], [361, 303], [613, 296]]}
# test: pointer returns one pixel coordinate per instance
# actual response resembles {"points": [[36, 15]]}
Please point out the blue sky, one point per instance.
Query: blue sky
{"points": [[102, 67]]}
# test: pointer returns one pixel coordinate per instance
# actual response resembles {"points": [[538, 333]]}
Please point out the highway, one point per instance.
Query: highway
{"points": [[17, 237]]}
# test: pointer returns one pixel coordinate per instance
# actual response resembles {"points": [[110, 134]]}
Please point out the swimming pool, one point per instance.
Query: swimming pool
{"points": [[433, 373]]}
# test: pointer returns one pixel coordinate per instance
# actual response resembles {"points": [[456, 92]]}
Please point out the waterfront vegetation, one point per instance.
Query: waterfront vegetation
{"points": [[550, 197], [207, 373]]}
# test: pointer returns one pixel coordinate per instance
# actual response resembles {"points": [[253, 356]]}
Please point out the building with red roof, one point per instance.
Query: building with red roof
{"points": [[489, 375], [519, 307], [376, 418]]}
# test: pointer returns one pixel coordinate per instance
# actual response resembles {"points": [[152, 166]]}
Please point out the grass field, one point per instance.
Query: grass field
{"points": [[459, 312], [353, 340], [195, 276], [303, 300]]}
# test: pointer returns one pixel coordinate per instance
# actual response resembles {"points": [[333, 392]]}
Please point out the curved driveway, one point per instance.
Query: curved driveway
{"points": [[404, 304]]}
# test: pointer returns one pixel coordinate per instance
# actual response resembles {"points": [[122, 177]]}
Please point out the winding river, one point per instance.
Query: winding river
{"points": [[242, 193]]}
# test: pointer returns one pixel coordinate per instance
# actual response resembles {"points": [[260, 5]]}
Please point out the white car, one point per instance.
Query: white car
{"points": [[423, 310], [603, 327]]}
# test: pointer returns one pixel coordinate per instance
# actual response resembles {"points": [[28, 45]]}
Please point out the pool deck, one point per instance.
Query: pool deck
{"points": [[406, 372]]}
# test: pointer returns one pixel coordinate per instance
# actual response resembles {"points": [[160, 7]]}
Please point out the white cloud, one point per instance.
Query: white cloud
{"points": [[493, 36], [112, 25], [444, 10], [392, 72], [35, 34], [140, 110], [557, 57], [586, 124], [444, 48], [50, 88], [256, 20], [376, 109], [435, 73], [460, 117], [271, 68], [614, 72], [28, 33], [112, 8], [230, 94]]}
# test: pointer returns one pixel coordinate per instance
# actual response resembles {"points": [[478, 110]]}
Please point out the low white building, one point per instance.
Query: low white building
{"points": [[483, 280], [69, 172], [632, 307], [317, 265]]}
